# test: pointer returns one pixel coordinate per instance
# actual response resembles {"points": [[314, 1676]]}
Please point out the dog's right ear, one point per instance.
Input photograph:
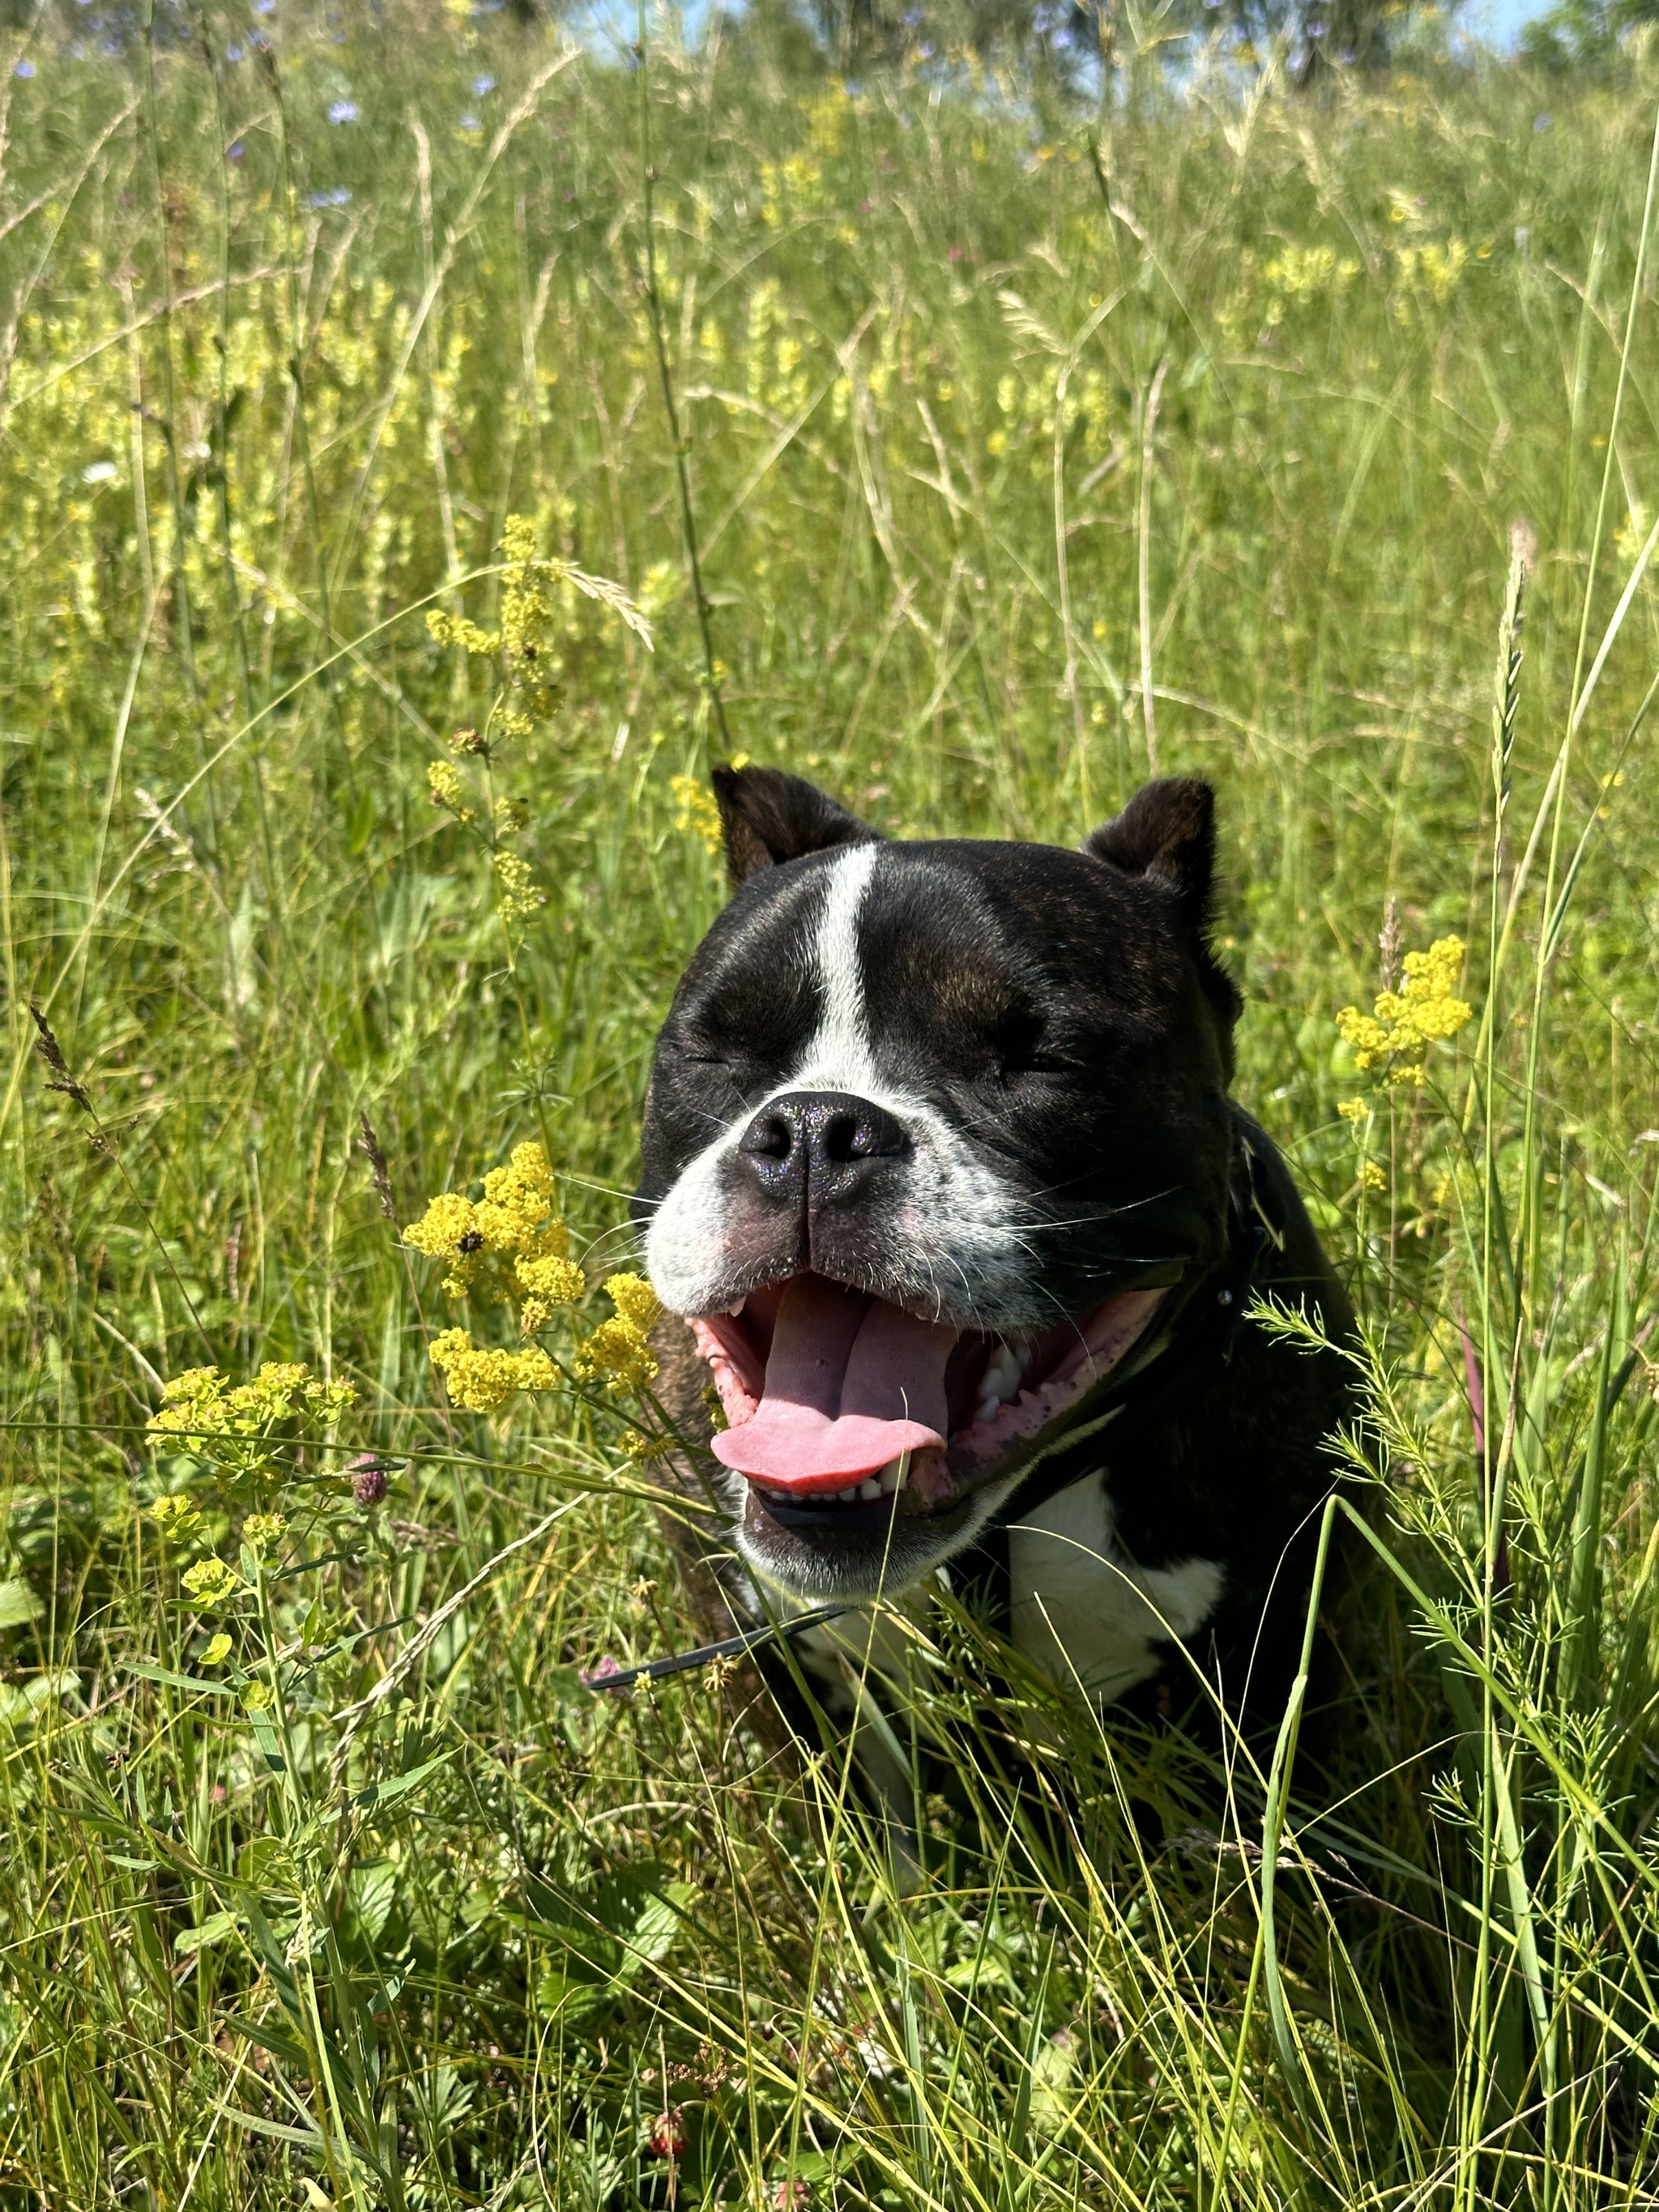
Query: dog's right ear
{"points": [[768, 817]]}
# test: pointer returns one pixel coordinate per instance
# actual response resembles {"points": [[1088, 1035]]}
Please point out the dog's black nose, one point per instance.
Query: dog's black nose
{"points": [[813, 1148]]}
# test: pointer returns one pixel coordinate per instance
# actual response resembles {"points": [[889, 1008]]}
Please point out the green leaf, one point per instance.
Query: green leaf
{"points": [[386, 1793], [192, 1682], [18, 1604], [658, 1925], [213, 1929], [286, 2047]]}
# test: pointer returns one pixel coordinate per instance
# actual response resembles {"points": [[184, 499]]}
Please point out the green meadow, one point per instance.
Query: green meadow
{"points": [[975, 449]]}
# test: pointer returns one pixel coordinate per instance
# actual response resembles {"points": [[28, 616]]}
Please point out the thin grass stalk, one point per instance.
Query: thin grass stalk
{"points": [[1273, 1823], [1505, 705], [1144, 561], [179, 580], [296, 369], [659, 343]]}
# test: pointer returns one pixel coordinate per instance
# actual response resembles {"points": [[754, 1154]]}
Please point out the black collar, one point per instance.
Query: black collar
{"points": [[1205, 1333]]}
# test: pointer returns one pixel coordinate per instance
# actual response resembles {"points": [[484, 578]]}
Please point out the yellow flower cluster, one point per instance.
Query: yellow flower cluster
{"points": [[444, 783], [1403, 1024], [517, 895], [618, 1349], [238, 1430], [210, 1582], [696, 812], [549, 1280], [640, 1448], [262, 1530], [455, 629], [513, 1220], [482, 1381], [176, 1516], [197, 1403], [529, 625]]}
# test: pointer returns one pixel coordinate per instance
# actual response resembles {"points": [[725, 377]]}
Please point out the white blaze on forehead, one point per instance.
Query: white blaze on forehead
{"points": [[838, 1058]]}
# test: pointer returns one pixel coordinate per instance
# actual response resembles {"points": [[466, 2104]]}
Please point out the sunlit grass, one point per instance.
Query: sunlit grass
{"points": [[1024, 451]]}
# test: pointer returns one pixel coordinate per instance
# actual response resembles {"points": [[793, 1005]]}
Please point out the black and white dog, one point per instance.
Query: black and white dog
{"points": [[943, 1182]]}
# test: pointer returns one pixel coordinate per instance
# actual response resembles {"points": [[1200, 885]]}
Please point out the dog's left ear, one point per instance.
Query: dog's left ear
{"points": [[1167, 830], [768, 817], [1167, 833]]}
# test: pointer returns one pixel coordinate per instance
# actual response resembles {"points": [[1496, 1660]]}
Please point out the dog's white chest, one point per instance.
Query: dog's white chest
{"points": [[1083, 1611]]}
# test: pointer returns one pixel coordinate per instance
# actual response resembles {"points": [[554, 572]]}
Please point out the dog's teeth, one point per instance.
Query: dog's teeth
{"points": [[988, 1409], [1002, 1374], [733, 1311], [848, 1495], [894, 1475], [869, 1487]]}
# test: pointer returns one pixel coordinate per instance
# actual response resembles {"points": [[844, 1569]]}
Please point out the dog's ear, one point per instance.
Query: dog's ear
{"points": [[1167, 832], [768, 817]]}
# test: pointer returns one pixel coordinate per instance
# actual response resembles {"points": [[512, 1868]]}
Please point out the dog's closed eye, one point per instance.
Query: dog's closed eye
{"points": [[1018, 1040]]}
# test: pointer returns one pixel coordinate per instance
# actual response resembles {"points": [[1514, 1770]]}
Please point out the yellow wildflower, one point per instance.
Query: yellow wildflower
{"points": [[536, 1371], [515, 1215], [482, 1381], [534, 1314], [456, 629], [197, 1402], [445, 1228], [1351, 1109], [697, 813], [444, 783], [192, 1403], [448, 1229], [551, 1278], [517, 895], [1405, 1023], [210, 1582], [633, 1299], [195, 1384], [618, 1350], [514, 1219], [176, 1516], [639, 1449], [512, 814], [262, 1530], [1371, 1177]]}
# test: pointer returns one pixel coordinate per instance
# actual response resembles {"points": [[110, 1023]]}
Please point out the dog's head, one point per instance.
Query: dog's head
{"points": [[936, 1140]]}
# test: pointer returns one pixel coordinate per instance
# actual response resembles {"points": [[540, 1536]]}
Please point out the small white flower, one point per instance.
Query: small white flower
{"points": [[100, 473]]}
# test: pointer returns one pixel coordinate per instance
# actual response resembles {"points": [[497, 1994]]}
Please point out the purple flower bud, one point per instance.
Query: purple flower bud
{"points": [[603, 1673], [368, 1479]]}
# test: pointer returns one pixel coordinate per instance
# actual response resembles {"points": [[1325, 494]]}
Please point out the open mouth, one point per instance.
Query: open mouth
{"points": [[841, 1404]]}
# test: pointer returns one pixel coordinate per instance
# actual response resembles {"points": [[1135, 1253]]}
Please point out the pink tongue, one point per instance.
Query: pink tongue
{"points": [[851, 1383]]}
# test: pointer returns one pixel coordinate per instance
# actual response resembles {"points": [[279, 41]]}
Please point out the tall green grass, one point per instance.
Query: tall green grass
{"points": [[1023, 450]]}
